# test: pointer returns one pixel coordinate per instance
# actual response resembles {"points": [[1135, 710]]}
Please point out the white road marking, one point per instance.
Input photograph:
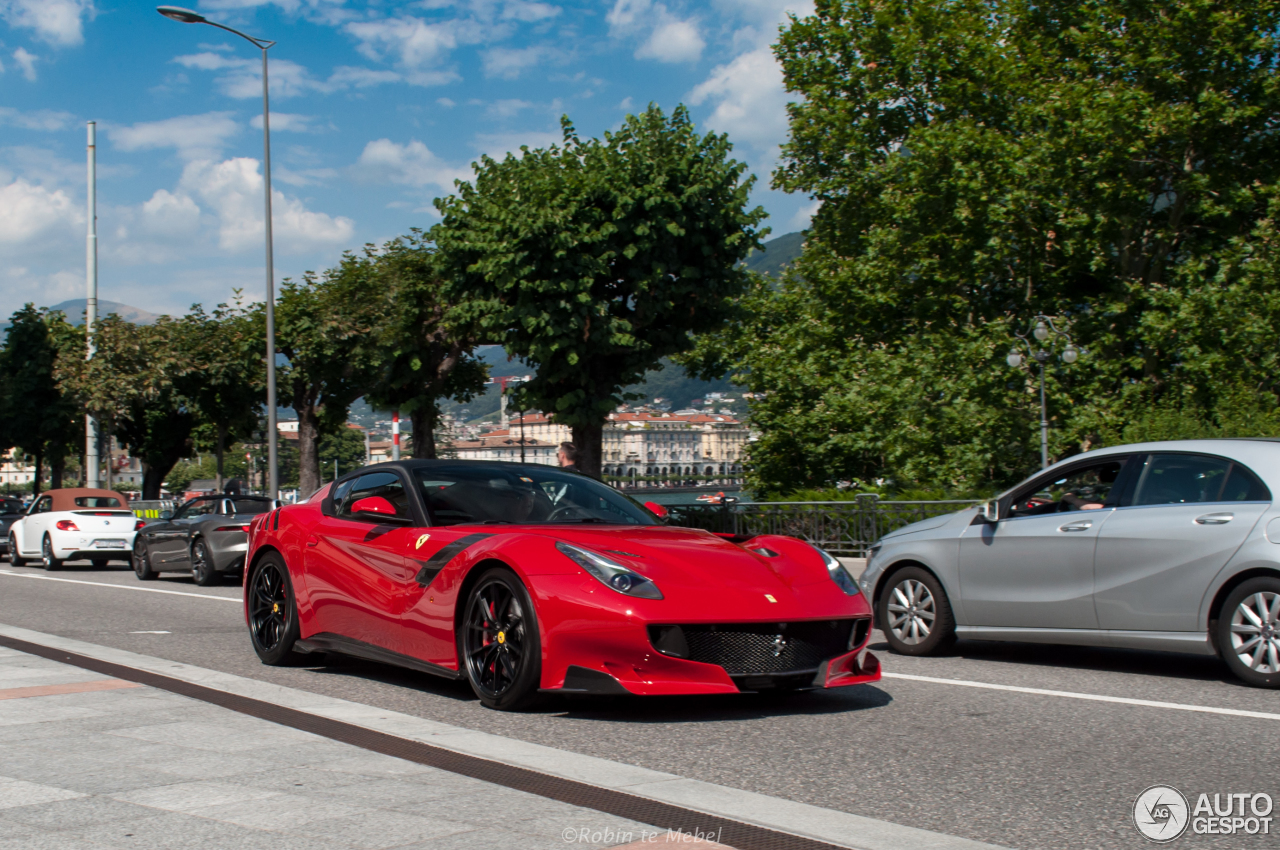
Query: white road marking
{"points": [[151, 633], [124, 587], [1176, 706]]}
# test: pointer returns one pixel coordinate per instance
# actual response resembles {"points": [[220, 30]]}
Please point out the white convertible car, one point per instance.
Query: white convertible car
{"points": [[74, 524]]}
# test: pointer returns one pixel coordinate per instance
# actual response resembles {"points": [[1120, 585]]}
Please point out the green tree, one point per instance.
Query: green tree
{"points": [[346, 447], [979, 162], [329, 328], [230, 372], [137, 386], [36, 416], [593, 260], [427, 352]]}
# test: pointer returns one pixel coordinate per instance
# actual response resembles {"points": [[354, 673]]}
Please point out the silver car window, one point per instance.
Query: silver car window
{"points": [[1178, 479], [1084, 488]]}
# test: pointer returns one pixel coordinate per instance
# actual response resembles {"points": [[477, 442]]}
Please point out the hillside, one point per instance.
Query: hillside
{"points": [[777, 254]]}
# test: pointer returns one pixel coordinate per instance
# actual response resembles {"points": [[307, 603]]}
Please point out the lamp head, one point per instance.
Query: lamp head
{"points": [[1014, 359], [1070, 354], [1042, 331], [185, 16]]}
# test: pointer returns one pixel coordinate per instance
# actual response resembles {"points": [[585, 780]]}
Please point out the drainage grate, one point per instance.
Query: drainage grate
{"points": [[736, 834]]}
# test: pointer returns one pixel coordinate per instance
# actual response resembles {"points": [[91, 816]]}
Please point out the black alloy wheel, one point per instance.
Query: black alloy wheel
{"points": [[46, 555], [499, 644], [202, 565], [15, 559], [273, 616], [141, 560]]}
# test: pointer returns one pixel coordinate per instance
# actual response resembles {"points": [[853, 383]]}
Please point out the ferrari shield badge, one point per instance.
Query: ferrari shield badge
{"points": [[423, 539]]}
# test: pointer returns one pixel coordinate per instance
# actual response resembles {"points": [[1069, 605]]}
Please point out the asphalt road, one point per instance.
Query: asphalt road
{"points": [[1018, 769]]}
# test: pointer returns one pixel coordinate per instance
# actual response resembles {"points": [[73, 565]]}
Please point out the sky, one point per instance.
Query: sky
{"points": [[376, 108]]}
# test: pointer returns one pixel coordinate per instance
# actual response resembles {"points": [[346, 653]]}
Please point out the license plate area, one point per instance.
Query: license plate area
{"points": [[108, 544]]}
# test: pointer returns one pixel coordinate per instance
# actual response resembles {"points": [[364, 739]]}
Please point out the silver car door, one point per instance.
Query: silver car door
{"points": [[1187, 516], [1034, 567]]}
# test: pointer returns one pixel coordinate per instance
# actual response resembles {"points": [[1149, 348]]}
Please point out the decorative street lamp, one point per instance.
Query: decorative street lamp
{"points": [[1044, 331], [186, 16]]}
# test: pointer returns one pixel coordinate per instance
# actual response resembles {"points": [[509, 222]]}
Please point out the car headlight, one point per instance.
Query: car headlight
{"points": [[839, 574], [615, 576]]}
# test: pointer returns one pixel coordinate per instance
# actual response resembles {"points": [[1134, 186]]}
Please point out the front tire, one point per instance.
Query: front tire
{"points": [[499, 646], [1249, 632], [273, 614], [914, 613], [202, 565], [141, 561], [15, 559], [47, 558]]}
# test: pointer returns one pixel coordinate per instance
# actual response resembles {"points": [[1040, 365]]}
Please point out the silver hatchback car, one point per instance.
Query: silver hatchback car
{"points": [[1167, 546]]}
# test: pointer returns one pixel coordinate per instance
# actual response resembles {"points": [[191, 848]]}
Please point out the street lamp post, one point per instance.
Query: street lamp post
{"points": [[186, 16], [1043, 331]]}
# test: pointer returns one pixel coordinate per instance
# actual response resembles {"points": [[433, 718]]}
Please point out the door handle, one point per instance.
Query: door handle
{"points": [[1082, 525], [1215, 519], [312, 540]]}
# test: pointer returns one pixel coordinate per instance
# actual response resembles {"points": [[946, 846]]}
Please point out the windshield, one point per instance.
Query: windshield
{"points": [[522, 494]]}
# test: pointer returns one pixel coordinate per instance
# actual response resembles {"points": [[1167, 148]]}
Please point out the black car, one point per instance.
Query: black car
{"points": [[11, 510], [207, 536]]}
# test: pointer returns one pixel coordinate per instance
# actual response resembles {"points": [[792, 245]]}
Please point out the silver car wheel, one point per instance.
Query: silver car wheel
{"points": [[911, 611], [1255, 632]]}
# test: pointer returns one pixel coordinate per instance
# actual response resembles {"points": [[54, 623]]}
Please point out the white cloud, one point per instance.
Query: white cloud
{"points": [[32, 215], [243, 77], [232, 189], [169, 214], [27, 62], [446, 102], [625, 104], [750, 99], [673, 40], [507, 108], [413, 164], [355, 77], [508, 62], [670, 38], [287, 122], [40, 119], [193, 136], [56, 22], [522, 10], [412, 41]]}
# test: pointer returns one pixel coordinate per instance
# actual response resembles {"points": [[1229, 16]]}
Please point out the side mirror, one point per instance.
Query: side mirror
{"points": [[166, 515], [989, 511], [375, 505], [657, 510]]}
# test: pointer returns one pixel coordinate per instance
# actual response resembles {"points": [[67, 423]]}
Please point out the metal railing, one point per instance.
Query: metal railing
{"points": [[845, 528]]}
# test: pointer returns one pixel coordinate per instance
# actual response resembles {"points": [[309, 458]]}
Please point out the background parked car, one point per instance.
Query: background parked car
{"points": [[73, 524], [207, 535], [1170, 546], [11, 510]]}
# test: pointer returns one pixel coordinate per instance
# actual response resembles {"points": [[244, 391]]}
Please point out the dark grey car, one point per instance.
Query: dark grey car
{"points": [[1170, 546], [11, 510], [207, 536]]}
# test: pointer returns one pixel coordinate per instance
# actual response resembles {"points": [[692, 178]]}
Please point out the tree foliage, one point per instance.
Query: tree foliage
{"points": [[36, 416], [428, 351], [594, 259], [328, 326], [979, 162]]}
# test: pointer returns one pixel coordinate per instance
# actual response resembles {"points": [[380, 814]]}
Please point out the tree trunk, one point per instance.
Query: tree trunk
{"points": [[424, 419], [309, 479], [222, 438], [35, 485], [57, 469], [589, 441]]}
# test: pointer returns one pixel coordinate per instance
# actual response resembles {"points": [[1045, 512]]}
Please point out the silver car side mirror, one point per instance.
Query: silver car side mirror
{"points": [[990, 511]]}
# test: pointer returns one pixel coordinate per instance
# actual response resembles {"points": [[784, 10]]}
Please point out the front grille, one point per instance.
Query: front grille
{"points": [[756, 648]]}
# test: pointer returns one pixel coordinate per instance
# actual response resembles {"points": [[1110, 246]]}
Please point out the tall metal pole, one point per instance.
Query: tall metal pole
{"points": [[1044, 423], [395, 435], [91, 304], [273, 461]]}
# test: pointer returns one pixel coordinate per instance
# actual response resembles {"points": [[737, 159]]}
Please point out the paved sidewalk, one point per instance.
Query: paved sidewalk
{"points": [[91, 762]]}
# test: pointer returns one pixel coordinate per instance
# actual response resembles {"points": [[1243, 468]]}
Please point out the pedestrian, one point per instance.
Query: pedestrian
{"points": [[568, 456]]}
